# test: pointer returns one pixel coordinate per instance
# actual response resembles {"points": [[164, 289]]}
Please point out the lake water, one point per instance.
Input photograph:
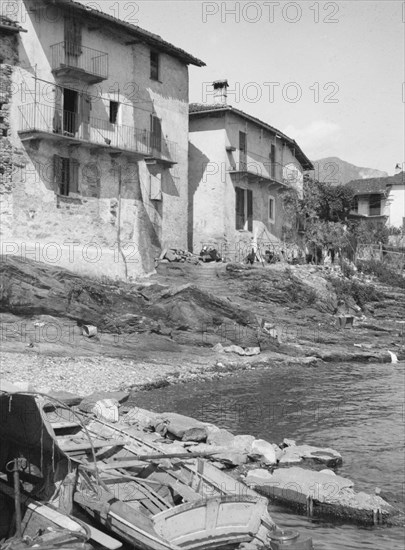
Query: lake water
{"points": [[356, 409]]}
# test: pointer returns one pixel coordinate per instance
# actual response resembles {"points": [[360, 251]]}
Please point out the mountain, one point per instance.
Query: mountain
{"points": [[335, 170]]}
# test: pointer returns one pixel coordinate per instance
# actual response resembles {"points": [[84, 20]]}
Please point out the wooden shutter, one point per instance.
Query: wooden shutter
{"points": [[240, 208], [73, 36], [85, 108], [57, 172], [250, 209], [273, 161], [156, 133], [73, 176]]}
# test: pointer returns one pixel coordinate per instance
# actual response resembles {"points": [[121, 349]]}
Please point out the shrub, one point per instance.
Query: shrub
{"points": [[384, 273], [361, 293]]}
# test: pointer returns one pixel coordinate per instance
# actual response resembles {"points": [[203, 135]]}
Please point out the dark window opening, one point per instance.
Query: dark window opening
{"points": [[273, 161], [244, 209], [1, 118], [114, 111], [271, 209], [5, 132], [66, 175], [355, 204], [375, 205], [1, 106], [155, 133], [154, 65], [70, 111], [242, 151]]}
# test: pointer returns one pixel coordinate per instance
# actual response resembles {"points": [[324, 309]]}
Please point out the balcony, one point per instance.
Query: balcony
{"points": [[254, 171], [39, 121], [75, 61]]}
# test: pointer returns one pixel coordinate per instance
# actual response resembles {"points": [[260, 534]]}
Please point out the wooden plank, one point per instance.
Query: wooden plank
{"points": [[64, 425], [68, 446], [62, 520], [159, 456]]}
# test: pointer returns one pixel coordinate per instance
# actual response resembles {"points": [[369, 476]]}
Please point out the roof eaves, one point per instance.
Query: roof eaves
{"points": [[207, 109], [147, 36]]}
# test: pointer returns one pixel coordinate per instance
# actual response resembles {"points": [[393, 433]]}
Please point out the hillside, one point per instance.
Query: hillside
{"points": [[334, 170]]}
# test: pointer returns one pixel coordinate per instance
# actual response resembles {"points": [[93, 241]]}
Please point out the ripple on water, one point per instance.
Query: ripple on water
{"points": [[358, 409]]}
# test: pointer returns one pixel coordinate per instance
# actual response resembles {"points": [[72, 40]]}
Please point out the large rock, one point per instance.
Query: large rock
{"points": [[142, 418], [195, 434], [260, 476], [297, 453], [265, 450], [179, 425], [219, 437], [88, 403], [243, 443], [297, 484]]}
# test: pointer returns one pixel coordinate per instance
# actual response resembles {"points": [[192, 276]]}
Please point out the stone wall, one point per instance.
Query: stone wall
{"points": [[10, 156]]}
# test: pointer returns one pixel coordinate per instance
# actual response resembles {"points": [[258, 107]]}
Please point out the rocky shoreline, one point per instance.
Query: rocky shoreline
{"points": [[186, 323]]}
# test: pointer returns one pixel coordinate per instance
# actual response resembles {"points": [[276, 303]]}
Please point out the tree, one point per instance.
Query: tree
{"points": [[319, 216]]}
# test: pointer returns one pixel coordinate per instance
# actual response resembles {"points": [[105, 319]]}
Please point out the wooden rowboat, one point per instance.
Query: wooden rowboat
{"points": [[125, 482]]}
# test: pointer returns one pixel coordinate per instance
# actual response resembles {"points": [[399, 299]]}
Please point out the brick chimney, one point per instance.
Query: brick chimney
{"points": [[220, 93]]}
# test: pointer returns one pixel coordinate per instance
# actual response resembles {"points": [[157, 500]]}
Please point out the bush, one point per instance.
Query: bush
{"points": [[361, 293], [385, 274]]}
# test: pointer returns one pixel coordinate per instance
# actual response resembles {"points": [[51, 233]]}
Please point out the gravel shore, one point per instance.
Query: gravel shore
{"points": [[84, 375]]}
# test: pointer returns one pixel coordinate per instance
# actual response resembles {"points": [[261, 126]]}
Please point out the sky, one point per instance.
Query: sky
{"points": [[329, 74]]}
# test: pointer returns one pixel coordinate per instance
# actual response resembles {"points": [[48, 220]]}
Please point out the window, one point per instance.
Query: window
{"points": [[114, 111], [66, 175], [244, 209], [271, 209], [155, 187], [375, 205], [242, 150], [155, 133], [355, 204], [273, 161], [154, 65]]}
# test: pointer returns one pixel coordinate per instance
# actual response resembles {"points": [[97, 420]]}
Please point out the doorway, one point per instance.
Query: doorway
{"points": [[70, 112]]}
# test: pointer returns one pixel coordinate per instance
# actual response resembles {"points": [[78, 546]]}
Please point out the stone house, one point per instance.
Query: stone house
{"points": [[238, 168], [94, 151], [380, 199]]}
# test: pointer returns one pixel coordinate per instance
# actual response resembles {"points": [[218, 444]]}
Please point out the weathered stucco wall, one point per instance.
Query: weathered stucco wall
{"points": [[396, 201], [94, 219], [212, 186]]}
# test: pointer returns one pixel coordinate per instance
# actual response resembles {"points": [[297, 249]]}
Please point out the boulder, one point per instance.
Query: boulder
{"points": [[195, 434], [88, 403], [243, 443], [259, 476], [141, 417], [296, 484], [289, 442], [219, 437], [178, 424], [265, 450], [296, 453]]}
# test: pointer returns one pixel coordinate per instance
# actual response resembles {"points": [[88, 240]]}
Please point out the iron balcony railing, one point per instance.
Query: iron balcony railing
{"points": [[75, 56], [37, 117]]}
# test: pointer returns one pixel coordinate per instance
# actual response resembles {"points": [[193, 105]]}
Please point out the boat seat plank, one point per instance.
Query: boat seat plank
{"points": [[67, 445], [64, 425]]}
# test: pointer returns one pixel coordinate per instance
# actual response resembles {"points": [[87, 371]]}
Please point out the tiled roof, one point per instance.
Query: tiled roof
{"points": [[5, 22], [199, 108], [145, 36], [375, 185]]}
